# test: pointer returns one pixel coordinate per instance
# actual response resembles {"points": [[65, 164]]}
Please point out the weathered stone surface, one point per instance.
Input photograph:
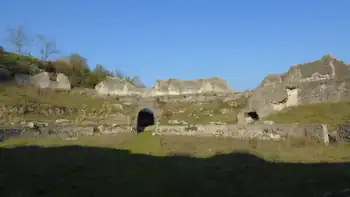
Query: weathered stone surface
{"points": [[316, 132], [199, 86], [42, 80], [136, 81], [63, 82], [118, 86], [341, 134], [259, 131], [323, 80]]}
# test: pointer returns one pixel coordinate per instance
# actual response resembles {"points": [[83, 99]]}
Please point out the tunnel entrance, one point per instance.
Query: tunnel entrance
{"points": [[145, 118], [253, 115]]}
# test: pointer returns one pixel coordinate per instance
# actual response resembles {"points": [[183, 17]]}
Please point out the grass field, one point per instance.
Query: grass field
{"points": [[43, 101], [328, 113], [146, 165]]}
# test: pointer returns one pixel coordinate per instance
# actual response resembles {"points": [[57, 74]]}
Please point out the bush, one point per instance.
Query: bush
{"points": [[62, 66]]}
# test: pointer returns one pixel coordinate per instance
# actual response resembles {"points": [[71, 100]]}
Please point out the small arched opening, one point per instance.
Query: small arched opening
{"points": [[145, 118], [253, 115]]}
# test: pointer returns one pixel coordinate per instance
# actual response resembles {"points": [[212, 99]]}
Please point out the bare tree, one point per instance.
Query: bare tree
{"points": [[31, 42], [47, 47], [18, 38]]}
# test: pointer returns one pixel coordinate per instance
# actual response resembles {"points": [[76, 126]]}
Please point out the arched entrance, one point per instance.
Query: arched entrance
{"points": [[253, 115], [145, 118]]}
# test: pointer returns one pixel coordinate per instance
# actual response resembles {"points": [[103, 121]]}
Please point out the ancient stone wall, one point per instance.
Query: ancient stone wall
{"points": [[172, 87], [42, 80], [317, 132], [325, 80]]}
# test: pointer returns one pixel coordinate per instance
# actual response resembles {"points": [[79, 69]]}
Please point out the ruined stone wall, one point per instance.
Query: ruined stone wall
{"points": [[325, 80], [317, 132], [328, 90], [42, 80], [173, 87]]}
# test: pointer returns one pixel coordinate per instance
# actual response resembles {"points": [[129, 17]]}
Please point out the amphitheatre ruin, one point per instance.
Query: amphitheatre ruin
{"points": [[210, 107]]}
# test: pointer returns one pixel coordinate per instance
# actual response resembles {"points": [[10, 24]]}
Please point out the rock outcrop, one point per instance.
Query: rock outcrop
{"points": [[199, 86], [136, 81], [118, 86], [42, 80], [323, 80]]}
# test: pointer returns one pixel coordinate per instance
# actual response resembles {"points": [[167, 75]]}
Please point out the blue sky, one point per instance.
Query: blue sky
{"points": [[240, 41]]}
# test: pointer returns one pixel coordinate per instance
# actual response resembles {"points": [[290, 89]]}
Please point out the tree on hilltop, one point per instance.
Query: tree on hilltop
{"points": [[18, 38], [47, 47]]}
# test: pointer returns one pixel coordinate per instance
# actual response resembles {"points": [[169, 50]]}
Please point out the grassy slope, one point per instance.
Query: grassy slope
{"points": [[203, 112], [327, 113], [20, 63], [102, 166], [49, 99]]}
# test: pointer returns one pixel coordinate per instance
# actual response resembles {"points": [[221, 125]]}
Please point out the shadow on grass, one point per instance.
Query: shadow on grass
{"points": [[87, 171]]}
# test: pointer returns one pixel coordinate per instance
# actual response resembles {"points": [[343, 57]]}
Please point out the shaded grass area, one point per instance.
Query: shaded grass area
{"points": [[327, 113], [109, 166]]}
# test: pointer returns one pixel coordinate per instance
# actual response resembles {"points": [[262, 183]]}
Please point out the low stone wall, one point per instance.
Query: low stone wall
{"points": [[317, 132]]}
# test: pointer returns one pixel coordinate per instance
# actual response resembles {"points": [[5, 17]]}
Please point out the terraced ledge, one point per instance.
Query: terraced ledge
{"points": [[317, 132]]}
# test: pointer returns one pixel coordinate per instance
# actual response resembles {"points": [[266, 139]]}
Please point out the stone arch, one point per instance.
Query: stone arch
{"points": [[145, 118], [247, 117], [253, 115]]}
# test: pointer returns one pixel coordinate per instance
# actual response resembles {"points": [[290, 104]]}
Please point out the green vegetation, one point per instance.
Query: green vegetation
{"points": [[74, 66], [203, 112], [109, 166], [27, 102], [327, 113]]}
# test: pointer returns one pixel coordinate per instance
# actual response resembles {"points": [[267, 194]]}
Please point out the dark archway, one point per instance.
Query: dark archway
{"points": [[252, 114], [145, 118]]}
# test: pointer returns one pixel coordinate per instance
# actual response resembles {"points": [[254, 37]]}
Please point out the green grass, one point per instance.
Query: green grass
{"points": [[326, 113], [146, 165], [199, 113], [44, 100]]}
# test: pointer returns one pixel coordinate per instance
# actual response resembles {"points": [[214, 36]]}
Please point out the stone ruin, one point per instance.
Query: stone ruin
{"points": [[42, 80], [323, 80], [171, 87]]}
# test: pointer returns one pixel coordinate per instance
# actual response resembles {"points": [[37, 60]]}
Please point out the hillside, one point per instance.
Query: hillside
{"points": [[200, 109], [75, 67], [327, 113]]}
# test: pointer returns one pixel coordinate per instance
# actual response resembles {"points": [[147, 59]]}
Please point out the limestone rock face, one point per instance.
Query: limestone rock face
{"points": [[199, 86], [42, 80], [327, 79], [118, 86], [63, 82]]}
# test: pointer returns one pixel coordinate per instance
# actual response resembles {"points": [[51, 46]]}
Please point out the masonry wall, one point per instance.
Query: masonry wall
{"points": [[317, 132]]}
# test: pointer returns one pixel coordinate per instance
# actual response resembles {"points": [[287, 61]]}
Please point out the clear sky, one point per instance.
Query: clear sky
{"points": [[240, 41]]}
